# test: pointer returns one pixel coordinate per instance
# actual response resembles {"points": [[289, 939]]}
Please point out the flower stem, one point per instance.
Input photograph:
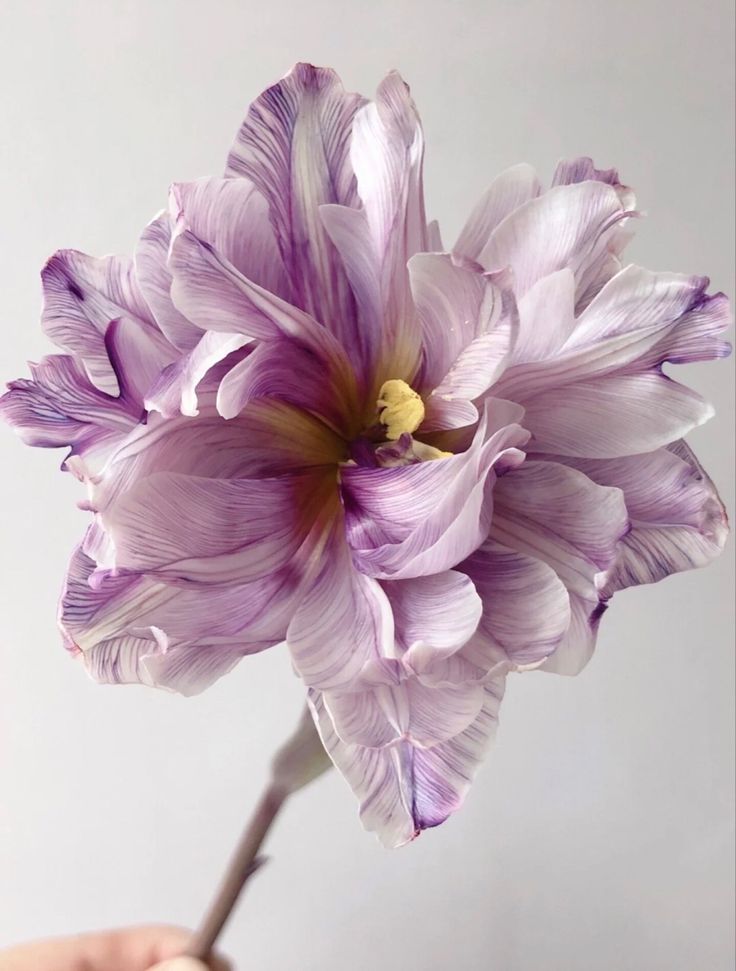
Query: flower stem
{"points": [[300, 759], [244, 863]]}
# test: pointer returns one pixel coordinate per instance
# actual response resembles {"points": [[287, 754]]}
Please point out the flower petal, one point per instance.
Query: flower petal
{"points": [[678, 519], [559, 516], [416, 520], [505, 194], [440, 611], [81, 295], [214, 530], [403, 789], [154, 278], [233, 217], [293, 146], [468, 322], [526, 609], [59, 406], [343, 622], [566, 227]]}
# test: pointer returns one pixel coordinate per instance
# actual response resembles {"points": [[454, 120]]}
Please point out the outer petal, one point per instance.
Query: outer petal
{"points": [[60, 406], [603, 394], [232, 216], [81, 296], [403, 789], [134, 629], [416, 520], [214, 530], [293, 146], [569, 226], [154, 278], [505, 194], [559, 516], [678, 521]]}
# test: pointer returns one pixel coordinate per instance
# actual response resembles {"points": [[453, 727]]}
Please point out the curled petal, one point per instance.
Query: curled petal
{"points": [[505, 194], [678, 520], [440, 612], [569, 226], [81, 295], [403, 789], [416, 520], [526, 609], [558, 515], [233, 217]]}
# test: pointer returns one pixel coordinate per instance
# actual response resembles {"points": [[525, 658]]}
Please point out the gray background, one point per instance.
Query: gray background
{"points": [[599, 834]]}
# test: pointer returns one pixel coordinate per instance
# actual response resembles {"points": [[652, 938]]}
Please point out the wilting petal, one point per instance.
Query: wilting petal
{"points": [[343, 622], [402, 789], [559, 516], [416, 520], [468, 324], [233, 217], [582, 169], [293, 146], [678, 521], [154, 278], [526, 610], [566, 227], [81, 295], [506, 193]]}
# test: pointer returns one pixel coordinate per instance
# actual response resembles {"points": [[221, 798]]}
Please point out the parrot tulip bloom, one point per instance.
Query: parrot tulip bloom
{"points": [[301, 419]]}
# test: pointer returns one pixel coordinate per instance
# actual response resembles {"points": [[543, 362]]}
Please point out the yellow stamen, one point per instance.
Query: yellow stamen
{"points": [[400, 409]]}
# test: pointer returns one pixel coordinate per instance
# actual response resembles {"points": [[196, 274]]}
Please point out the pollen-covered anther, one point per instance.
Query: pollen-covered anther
{"points": [[400, 409]]}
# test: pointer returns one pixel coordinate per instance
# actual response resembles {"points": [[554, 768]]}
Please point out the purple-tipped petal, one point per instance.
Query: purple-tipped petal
{"points": [[678, 520], [403, 789], [59, 407], [81, 296]]}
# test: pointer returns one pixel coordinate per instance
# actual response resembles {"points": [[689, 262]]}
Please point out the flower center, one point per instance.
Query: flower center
{"points": [[400, 409]]}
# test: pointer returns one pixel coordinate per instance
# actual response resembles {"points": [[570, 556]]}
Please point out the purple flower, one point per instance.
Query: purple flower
{"points": [[301, 419]]}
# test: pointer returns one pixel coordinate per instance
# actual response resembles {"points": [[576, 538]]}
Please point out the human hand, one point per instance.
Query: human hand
{"points": [[132, 949]]}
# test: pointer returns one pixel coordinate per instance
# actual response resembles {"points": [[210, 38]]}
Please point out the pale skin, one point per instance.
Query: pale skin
{"points": [[132, 949]]}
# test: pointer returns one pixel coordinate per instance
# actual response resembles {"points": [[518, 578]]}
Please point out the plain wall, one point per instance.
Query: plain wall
{"points": [[599, 834]]}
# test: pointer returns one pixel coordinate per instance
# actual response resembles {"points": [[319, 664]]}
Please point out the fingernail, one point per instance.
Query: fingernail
{"points": [[180, 964]]}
